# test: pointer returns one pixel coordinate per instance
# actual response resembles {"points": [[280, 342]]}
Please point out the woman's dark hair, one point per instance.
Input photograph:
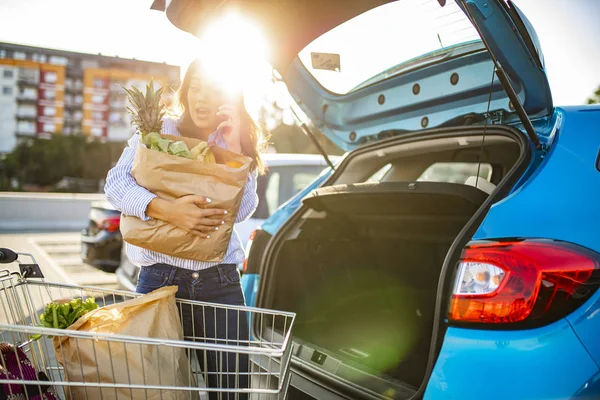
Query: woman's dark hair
{"points": [[253, 135]]}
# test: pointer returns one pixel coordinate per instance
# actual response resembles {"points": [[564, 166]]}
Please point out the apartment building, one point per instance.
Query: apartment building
{"points": [[45, 92]]}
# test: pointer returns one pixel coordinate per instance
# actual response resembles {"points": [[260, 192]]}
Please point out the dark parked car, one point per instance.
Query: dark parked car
{"points": [[101, 241]]}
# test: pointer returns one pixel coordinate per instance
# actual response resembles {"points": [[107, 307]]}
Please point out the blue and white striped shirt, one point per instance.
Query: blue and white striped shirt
{"points": [[124, 193]]}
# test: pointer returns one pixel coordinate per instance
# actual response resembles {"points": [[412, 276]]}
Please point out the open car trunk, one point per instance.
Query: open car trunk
{"points": [[360, 266], [362, 276]]}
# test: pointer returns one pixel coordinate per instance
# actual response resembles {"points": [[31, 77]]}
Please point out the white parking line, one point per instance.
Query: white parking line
{"points": [[50, 262]]}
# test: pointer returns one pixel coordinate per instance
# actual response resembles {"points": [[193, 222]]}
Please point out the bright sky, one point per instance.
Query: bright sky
{"points": [[568, 31]]}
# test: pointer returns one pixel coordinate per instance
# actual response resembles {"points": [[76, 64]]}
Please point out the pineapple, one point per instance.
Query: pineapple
{"points": [[146, 110], [147, 115]]}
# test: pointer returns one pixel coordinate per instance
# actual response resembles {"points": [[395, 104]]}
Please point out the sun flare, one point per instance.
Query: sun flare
{"points": [[234, 52]]}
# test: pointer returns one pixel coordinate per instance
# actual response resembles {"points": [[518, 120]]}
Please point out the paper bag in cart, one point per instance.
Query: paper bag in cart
{"points": [[152, 315], [171, 177]]}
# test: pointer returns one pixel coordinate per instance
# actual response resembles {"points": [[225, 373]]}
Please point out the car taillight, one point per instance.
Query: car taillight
{"points": [[111, 224], [535, 281], [248, 245]]}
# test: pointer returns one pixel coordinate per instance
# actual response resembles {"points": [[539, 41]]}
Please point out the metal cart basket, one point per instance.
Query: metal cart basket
{"points": [[252, 365]]}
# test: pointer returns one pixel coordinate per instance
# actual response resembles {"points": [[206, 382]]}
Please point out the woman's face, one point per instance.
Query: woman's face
{"points": [[203, 103]]}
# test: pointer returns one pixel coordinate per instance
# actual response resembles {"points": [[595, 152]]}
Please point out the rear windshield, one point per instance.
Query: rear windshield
{"points": [[386, 41], [455, 172]]}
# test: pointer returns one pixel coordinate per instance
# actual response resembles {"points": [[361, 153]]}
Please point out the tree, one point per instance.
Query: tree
{"points": [[595, 99], [45, 162], [286, 136]]}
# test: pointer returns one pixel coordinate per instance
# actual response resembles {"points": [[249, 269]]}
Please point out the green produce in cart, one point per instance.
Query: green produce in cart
{"points": [[62, 315]]}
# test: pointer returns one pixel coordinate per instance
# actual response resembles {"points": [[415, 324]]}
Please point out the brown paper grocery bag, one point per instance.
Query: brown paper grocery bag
{"points": [[171, 177], [153, 315]]}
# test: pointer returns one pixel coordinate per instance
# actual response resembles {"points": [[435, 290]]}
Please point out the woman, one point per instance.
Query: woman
{"points": [[205, 116]]}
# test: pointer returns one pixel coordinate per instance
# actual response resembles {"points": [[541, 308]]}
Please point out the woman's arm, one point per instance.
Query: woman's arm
{"points": [[249, 199], [124, 193], [122, 190]]}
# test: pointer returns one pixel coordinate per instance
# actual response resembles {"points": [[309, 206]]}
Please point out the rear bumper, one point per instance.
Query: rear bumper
{"points": [[543, 363], [103, 250]]}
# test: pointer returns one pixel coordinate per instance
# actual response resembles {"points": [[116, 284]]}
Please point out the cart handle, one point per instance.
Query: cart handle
{"points": [[32, 270], [7, 256]]}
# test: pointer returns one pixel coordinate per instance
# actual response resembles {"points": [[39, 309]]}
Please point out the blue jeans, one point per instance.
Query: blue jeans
{"points": [[219, 284]]}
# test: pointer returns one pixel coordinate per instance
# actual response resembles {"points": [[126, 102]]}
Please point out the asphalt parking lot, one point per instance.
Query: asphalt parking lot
{"points": [[58, 255]]}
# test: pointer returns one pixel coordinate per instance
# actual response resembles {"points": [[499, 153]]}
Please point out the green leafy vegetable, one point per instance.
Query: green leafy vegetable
{"points": [[179, 148], [62, 315], [154, 141], [200, 152]]}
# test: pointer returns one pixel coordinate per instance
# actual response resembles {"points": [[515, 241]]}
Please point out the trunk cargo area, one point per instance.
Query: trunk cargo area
{"points": [[361, 270]]}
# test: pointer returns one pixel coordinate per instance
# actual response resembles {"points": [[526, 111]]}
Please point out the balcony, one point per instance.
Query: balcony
{"points": [[25, 133], [26, 100], [22, 117], [26, 82], [72, 122], [74, 90], [73, 106]]}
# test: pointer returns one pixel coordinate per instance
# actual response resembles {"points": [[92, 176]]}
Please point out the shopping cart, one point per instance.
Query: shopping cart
{"points": [[261, 360]]}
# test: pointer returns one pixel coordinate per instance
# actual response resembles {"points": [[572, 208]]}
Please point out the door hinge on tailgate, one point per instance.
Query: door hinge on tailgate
{"points": [[495, 117]]}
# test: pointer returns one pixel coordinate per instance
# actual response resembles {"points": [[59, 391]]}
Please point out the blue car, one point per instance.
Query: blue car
{"points": [[454, 252]]}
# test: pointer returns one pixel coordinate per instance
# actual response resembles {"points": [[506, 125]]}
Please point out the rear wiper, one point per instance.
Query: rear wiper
{"points": [[508, 87]]}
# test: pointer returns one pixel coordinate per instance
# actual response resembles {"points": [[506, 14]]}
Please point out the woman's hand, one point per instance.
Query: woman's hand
{"points": [[230, 127], [187, 213]]}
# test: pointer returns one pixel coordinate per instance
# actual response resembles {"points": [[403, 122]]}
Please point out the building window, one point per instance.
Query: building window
{"points": [[7, 90], [28, 93], [49, 111], [99, 83], [56, 60], [8, 73], [50, 94], [51, 128], [19, 55], [29, 75], [85, 64], [26, 127], [98, 115], [50, 77], [96, 131], [98, 99], [26, 111]]}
